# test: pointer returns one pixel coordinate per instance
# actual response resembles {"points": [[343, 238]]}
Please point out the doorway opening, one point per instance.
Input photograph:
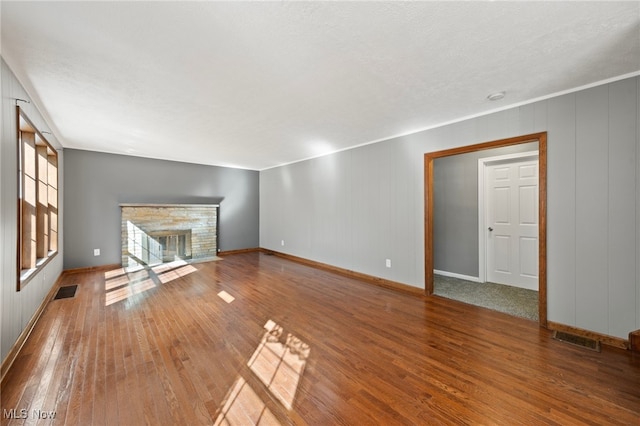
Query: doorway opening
{"points": [[430, 208]]}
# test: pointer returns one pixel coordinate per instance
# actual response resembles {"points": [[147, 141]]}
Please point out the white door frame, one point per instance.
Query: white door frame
{"points": [[483, 163]]}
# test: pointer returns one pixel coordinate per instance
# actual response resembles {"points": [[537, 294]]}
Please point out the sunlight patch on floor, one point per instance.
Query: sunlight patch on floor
{"points": [[226, 296], [123, 283], [243, 406], [174, 274], [128, 291], [279, 366]]}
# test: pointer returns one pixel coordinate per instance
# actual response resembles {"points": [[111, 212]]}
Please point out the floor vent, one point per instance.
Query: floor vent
{"points": [[66, 292], [583, 342]]}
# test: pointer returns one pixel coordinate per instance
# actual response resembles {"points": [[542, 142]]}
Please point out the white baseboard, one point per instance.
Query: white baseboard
{"points": [[454, 275]]}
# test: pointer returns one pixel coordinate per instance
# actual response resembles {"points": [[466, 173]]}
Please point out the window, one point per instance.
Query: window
{"points": [[37, 200]]}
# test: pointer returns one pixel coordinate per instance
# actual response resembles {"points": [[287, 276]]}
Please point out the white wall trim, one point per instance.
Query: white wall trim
{"points": [[454, 275]]}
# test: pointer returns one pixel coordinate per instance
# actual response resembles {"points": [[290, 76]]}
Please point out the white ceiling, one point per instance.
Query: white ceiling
{"points": [[255, 84]]}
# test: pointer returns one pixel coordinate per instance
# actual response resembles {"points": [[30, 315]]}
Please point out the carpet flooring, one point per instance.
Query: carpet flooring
{"points": [[498, 297]]}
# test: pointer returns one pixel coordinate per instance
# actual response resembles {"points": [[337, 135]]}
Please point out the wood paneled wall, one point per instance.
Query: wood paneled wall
{"points": [[356, 208], [17, 308]]}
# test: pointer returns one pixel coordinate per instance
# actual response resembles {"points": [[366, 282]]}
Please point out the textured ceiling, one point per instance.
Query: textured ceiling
{"points": [[254, 84]]}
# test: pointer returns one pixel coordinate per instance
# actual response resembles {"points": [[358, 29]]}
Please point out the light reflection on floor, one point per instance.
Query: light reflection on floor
{"points": [[122, 283], [226, 296], [123, 293], [244, 407], [277, 363], [279, 366]]}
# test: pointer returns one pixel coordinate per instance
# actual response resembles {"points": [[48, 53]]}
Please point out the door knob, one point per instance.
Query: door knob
{"points": [[490, 229]]}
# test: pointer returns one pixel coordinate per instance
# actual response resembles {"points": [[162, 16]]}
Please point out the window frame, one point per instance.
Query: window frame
{"points": [[42, 218]]}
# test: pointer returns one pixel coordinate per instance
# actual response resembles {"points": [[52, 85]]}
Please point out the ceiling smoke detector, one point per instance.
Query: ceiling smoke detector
{"points": [[496, 96]]}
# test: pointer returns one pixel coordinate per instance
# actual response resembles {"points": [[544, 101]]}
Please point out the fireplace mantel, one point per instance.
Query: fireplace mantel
{"points": [[167, 205]]}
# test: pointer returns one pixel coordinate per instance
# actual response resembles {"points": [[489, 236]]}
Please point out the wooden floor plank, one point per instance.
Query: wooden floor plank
{"points": [[161, 347]]}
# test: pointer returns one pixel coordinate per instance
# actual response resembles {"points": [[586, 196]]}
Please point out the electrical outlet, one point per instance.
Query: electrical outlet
{"points": [[388, 263], [96, 252], [282, 242]]}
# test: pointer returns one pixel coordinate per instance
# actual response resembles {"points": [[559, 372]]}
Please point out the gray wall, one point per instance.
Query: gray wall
{"points": [[17, 308], [96, 183], [455, 205], [356, 208]]}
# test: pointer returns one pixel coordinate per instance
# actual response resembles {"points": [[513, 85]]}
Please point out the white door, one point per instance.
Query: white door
{"points": [[511, 220]]}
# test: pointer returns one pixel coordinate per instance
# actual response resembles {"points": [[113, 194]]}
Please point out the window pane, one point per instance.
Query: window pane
{"points": [[42, 207], [53, 200], [29, 201], [37, 200]]}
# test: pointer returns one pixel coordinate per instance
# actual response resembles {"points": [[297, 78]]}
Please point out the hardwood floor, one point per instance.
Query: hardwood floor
{"points": [[289, 344]]}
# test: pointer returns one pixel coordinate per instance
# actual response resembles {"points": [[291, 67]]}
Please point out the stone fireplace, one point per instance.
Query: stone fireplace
{"points": [[158, 233]]}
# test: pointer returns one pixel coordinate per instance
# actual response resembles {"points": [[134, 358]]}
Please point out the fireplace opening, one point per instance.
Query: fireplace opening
{"points": [[174, 244], [159, 233]]}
